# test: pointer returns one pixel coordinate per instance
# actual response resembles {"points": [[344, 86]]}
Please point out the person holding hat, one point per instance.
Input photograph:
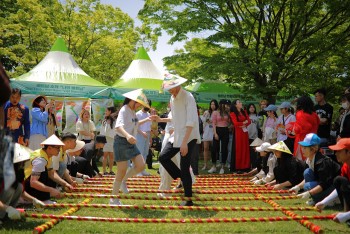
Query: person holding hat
{"points": [[186, 133], [40, 118], [321, 171], [39, 174], [341, 183], [269, 133], [289, 170], [125, 148]]}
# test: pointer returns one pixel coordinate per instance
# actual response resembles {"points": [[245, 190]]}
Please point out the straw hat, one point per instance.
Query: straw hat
{"points": [[21, 153], [171, 81], [256, 142], [52, 140], [78, 146], [137, 96], [280, 146]]}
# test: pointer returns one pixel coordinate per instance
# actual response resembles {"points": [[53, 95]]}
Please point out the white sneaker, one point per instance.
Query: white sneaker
{"points": [[222, 171], [204, 168], [163, 195], [115, 201], [212, 169], [310, 202], [334, 202], [193, 177], [124, 187], [49, 202]]}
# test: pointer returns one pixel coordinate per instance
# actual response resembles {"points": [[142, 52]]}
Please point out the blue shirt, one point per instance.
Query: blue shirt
{"points": [[39, 122]]}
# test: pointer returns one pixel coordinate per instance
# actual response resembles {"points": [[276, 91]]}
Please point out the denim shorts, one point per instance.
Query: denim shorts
{"points": [[123, 150]]}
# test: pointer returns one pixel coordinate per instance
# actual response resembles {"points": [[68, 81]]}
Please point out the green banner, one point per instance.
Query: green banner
{"points": [[62, 90]]}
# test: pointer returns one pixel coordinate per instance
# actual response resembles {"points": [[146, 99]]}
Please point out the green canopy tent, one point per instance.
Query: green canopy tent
{"points": [[141, 73], [204, 92], [59, 75]]}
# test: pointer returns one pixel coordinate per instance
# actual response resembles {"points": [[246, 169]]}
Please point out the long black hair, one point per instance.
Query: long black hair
{"points": [[248, 107], [111, 117], [306, 104], [234, 109], [216, 106]]}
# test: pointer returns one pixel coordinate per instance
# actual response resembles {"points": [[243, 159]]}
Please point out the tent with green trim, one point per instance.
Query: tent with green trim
{"points": [[59, 75], [141, 73]]}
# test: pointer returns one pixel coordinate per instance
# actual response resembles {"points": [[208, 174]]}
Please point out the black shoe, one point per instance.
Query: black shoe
{"points": [[187, 203]]}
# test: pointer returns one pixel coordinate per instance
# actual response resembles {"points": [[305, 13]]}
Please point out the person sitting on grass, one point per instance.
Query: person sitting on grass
{"points": [[39, 174], [321, 171], [289, 170], [268, 175], [341, 183]]}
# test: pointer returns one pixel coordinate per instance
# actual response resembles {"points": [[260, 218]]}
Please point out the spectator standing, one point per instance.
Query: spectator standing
{"points": [[285, 118], [252, 132], [208, 131], [85, 127], [221, 122], [325, 112], [40, 118], [16, 119], [241, 121], [345, 122]]}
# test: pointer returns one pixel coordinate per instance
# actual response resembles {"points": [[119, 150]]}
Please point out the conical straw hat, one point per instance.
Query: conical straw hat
{"points": [[138, 96], [171, 81], [280, 146], [21, 153], [52, 140], [256, 142]]}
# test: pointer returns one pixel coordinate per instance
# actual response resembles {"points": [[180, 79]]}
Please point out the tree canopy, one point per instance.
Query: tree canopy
{"points": [[101, 38], [265, 45]]}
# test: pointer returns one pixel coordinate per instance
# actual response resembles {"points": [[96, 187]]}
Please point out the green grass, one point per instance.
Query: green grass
{"points": [[249, 227]]}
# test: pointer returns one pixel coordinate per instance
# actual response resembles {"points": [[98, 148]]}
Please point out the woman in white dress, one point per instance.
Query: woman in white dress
{"points": [[208, 131]]}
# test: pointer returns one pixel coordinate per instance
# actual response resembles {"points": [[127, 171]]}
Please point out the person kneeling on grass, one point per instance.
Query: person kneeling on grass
{"points": [[289, 170], [39, 175], [341, 183], [267, 171], [319, 176]]}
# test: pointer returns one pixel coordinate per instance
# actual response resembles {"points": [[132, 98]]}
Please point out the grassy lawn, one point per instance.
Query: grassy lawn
{"points": [[68, 226]]}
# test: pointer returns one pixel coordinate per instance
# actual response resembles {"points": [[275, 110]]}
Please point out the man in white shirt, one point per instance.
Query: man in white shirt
{"points": [[143, 135], [186, 133]]}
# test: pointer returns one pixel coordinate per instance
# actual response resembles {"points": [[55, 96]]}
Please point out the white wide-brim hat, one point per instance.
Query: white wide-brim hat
{"points": [[171, 81], [256, 142], [78, 146], [21, 153], [138, 96], [264, 147], [52, 140], [280, 146]]}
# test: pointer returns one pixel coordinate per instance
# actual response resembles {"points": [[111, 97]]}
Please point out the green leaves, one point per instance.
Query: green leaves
{"points": [[266, 46]]}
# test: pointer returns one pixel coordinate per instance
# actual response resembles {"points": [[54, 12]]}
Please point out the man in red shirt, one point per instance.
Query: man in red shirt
{"points": [[342, 182]]}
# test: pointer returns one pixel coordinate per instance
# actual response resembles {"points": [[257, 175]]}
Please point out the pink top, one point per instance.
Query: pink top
{"points": [[219, 121]]}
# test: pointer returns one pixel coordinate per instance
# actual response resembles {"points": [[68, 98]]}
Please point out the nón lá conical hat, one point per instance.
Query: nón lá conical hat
{"points": [[171, 81], [52, 140], [256, 142], [21, 153], [138, 96], [280, 146]]}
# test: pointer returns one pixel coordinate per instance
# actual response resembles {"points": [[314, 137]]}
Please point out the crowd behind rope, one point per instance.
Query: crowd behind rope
{"points": [[289, 146]]}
